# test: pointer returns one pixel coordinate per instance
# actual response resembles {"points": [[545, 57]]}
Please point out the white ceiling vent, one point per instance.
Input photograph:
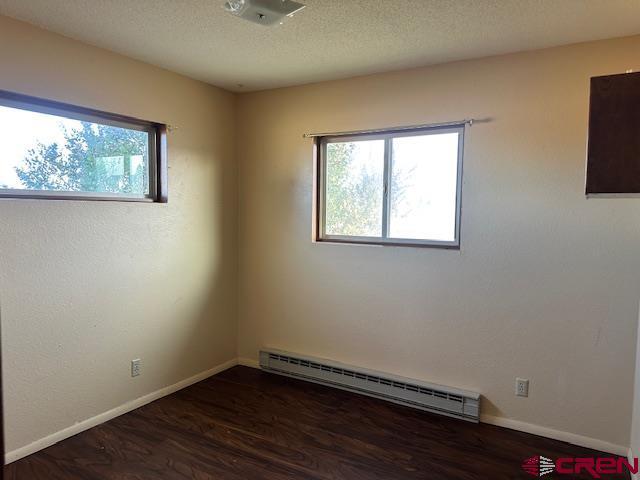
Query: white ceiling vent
{"points": [[448, 401], [264, 12]]}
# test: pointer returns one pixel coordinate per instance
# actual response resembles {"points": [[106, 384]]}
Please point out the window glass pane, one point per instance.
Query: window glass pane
{"points": [[423, 187], [354, 188], [48, 152]]}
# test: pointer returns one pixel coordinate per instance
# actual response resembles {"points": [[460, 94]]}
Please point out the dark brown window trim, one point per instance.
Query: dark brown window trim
{"points": [[319, 141], [159, 130]]}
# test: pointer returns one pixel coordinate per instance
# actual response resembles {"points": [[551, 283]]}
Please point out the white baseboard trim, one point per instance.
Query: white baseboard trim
{"points": [[248, 362], [54, 438], [568, 437]]}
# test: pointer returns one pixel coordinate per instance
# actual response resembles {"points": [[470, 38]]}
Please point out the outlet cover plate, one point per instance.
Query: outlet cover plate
{"points": [[522, 387], [135, 367]]}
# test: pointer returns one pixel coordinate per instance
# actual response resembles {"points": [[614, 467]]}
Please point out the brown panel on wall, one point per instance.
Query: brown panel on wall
{"points": [[613, 164]]}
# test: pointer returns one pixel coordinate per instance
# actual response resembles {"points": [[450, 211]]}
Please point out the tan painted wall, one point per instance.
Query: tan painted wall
{"points": [[85, 286], [545, 285], [634, 447]]}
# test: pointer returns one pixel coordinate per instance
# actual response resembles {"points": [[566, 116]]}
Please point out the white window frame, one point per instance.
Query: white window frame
{"points": [[320, 234]]}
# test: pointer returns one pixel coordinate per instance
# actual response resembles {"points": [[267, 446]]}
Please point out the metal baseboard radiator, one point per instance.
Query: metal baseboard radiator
{"points": [[448, 401]]}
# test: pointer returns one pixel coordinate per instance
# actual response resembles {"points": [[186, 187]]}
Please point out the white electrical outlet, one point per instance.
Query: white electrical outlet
{"points": [[135, 367], [522, 387]]}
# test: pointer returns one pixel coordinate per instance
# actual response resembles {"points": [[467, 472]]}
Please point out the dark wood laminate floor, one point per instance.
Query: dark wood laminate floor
{"points": [[244, 424]]}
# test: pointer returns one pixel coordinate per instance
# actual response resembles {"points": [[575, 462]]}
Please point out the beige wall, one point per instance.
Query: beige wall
{"points": [[85, 286], [634, 448], [545, 285]]}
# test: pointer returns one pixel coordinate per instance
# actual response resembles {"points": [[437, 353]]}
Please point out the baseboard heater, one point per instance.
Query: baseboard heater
{"points": [[448, 401]]}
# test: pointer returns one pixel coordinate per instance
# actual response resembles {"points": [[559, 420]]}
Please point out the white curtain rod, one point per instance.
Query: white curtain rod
{"points": [[468, 121]]}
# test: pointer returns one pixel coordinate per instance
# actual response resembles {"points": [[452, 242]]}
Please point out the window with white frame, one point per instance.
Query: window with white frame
{"points": [[399, 188]]}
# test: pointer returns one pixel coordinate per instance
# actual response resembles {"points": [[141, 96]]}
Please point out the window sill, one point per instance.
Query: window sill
{"points": [[80, 196], [390, 243]]}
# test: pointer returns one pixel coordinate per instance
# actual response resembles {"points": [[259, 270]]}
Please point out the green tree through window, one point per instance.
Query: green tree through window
{"points": [[354, 190], [93, 158]]}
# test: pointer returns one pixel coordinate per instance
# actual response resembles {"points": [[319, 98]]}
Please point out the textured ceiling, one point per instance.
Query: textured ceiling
{"points": [[327, 40]]}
